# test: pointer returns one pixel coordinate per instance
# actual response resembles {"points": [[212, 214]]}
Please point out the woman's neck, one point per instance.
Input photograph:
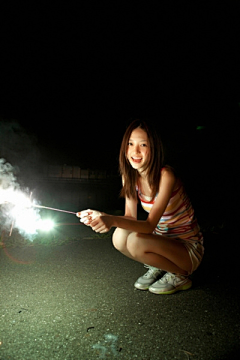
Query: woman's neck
{"points": [[144, 186], [143, 174]]}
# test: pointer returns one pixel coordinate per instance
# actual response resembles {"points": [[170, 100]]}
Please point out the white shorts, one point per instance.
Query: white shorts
{"points": [[195, 250]]}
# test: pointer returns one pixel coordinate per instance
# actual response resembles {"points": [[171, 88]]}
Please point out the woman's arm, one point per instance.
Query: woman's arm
{"points": [[129, 221], [87, 216]]}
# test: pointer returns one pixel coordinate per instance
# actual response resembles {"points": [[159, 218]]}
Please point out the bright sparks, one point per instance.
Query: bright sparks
{"points": [[25, 217], [46, 225], [16, 207]]}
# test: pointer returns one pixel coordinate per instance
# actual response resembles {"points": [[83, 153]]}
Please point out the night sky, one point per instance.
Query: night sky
{"points": [[74, 75]]}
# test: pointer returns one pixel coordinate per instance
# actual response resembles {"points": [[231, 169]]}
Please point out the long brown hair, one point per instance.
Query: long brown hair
{"points": [[153, 167]]}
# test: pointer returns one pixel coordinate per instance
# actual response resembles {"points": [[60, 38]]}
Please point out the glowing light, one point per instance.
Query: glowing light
{"points": [[15, 197], [18, 210], [45, 225], [26, 219]]}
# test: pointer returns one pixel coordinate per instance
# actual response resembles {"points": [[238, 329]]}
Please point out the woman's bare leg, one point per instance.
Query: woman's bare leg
{"points": [[159, 251], [119, 239], [155, 250]]}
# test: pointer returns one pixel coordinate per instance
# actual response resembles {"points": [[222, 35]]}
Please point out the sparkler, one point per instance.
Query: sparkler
{"points": [[50, 208], [18, 209], [35, 224], [24, 217], [30, 221]]}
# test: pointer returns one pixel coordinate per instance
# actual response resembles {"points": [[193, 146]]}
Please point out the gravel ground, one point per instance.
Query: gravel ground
{"points": [[77, 301]]}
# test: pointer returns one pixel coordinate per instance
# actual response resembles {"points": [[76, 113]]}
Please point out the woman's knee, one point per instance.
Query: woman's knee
{"points": [[134, 244], [119, 239]]}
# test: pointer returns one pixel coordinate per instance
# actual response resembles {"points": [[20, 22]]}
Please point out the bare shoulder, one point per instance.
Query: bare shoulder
{"points": [[168, 173], [168, 177]]}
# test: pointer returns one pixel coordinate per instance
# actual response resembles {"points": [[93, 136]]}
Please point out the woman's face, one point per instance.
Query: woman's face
{"points": [[138, 150]]}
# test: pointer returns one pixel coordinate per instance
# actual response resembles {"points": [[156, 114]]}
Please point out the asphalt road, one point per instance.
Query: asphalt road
{"points": [[75, 300]]}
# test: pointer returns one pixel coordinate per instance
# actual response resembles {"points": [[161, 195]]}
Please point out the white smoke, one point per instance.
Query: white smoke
{"points": [[7, 178]]}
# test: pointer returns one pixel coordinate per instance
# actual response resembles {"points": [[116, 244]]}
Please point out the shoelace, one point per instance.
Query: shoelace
{"points": [[151, 270], [171, 278], [168, 278]]}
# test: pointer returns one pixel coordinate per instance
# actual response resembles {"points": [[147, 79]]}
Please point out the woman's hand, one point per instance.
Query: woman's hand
{"points": [[102, 224], [99, 221], [87, 216]]}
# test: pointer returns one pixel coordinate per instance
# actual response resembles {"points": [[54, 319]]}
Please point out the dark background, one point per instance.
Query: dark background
{"points": [[72, 76]]}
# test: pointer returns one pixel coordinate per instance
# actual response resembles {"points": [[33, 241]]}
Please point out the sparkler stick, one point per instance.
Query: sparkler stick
{"points": [[50, 208], [10, 232]]}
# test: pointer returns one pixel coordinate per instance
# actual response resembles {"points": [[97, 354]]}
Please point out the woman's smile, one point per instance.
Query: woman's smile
{"points": [[136, 159]]}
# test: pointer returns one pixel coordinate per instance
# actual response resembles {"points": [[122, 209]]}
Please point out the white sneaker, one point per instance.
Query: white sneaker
{"points": [[170, 283], [149, 278]]}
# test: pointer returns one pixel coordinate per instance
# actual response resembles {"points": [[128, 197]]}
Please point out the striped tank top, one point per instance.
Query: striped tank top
{"points": [[178, 219]]}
